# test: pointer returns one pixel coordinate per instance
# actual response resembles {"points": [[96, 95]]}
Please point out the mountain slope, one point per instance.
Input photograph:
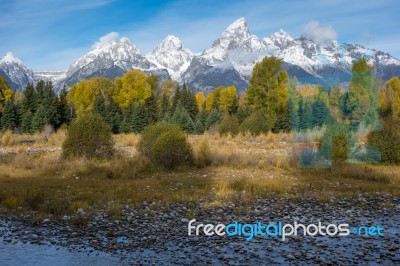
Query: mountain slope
{"points": [[229, 61], [171, 55], [15, 72], [110, 60]]}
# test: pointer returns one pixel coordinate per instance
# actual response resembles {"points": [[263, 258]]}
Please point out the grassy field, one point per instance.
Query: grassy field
{"points": [[34, 177]]}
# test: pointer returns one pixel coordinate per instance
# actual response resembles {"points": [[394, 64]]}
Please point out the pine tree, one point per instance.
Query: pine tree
{"points": [[305, 115], [9, 118], [113, 116], [150, 106], [164, 106], [26, 123], [182, 118], [139, 119], [201, 117], [176, 98], [198, 127], [29, 101], [99, 106], [213, 118], [188, 100], [126, 124], [293, 104], [50, 102], [40, 91], [39, 119], [64, 109], [319, 113]]}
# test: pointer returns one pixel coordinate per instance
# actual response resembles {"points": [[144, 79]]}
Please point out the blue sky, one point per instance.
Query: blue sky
{"points": [[51, 34]]}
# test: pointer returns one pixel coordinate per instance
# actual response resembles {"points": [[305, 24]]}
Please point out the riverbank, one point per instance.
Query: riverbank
{"points": [[156, 232]]}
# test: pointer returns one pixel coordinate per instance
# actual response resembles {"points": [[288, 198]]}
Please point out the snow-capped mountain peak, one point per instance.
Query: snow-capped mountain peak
{"points": [[171, 55], [10, 58], [235, 39], [281, 35], [110, 58], [237, 28], [18, 75], [170, 42], [278, 41]]}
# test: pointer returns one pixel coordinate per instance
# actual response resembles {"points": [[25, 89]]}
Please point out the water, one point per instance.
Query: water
{"points": [[15, 252], [30, 254]]}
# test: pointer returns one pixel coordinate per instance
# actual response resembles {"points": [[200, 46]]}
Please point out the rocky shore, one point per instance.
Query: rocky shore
{"points": [[157, 233]]}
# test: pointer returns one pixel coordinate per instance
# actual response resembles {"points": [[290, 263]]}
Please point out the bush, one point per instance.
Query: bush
{"points": [[229, 125], [88, 136], [256, 124], [165, 144], [387, 140], [203, 154]]}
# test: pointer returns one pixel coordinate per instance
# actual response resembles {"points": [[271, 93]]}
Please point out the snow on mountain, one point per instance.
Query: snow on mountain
{"points": [[15, 72], [236, 47], [171, 55], [53, 76], [228, 61], [110, 59]]}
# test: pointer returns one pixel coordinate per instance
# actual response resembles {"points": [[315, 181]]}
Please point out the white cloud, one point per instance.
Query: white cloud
{"points": [[108, 38], [318, 33]]}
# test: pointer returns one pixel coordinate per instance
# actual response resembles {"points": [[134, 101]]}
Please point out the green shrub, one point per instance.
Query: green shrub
{"points": [[165, 144], [256, 124], [387, 140], [229, 125], [88, 136]]}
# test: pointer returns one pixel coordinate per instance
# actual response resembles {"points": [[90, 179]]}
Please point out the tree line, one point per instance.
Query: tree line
{"points": [[273, 101]]}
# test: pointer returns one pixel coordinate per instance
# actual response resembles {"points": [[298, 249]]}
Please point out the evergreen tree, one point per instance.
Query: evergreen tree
{"points": [[293, 104], [164, 106], [150, 105], [126, 124], [99, 106], [29, 101], [64, 109], [213, 118], [319, 113], [40, 92], [182, 118], [201, 117], [188, 100], [305, 115], [198, 127], [176, 98], [113, 116], [26, 123], [9, 118], [39, 119], [50, 102], [139, 118]]}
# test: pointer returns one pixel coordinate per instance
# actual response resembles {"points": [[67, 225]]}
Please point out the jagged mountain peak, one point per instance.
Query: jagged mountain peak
{"points": [[239, 25], [236, 39], [170, 42], [15, 72], [10, 58], [171, 55], [115, 46], [281, 34]]}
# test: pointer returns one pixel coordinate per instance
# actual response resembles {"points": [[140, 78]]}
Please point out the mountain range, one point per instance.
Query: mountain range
{"points": [[229, 61]]}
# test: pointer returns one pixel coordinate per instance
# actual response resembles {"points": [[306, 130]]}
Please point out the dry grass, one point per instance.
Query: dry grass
{"points": [[243, 167]]}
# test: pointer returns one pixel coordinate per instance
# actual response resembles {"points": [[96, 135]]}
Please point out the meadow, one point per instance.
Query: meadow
{"points": [[34, 177]]}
